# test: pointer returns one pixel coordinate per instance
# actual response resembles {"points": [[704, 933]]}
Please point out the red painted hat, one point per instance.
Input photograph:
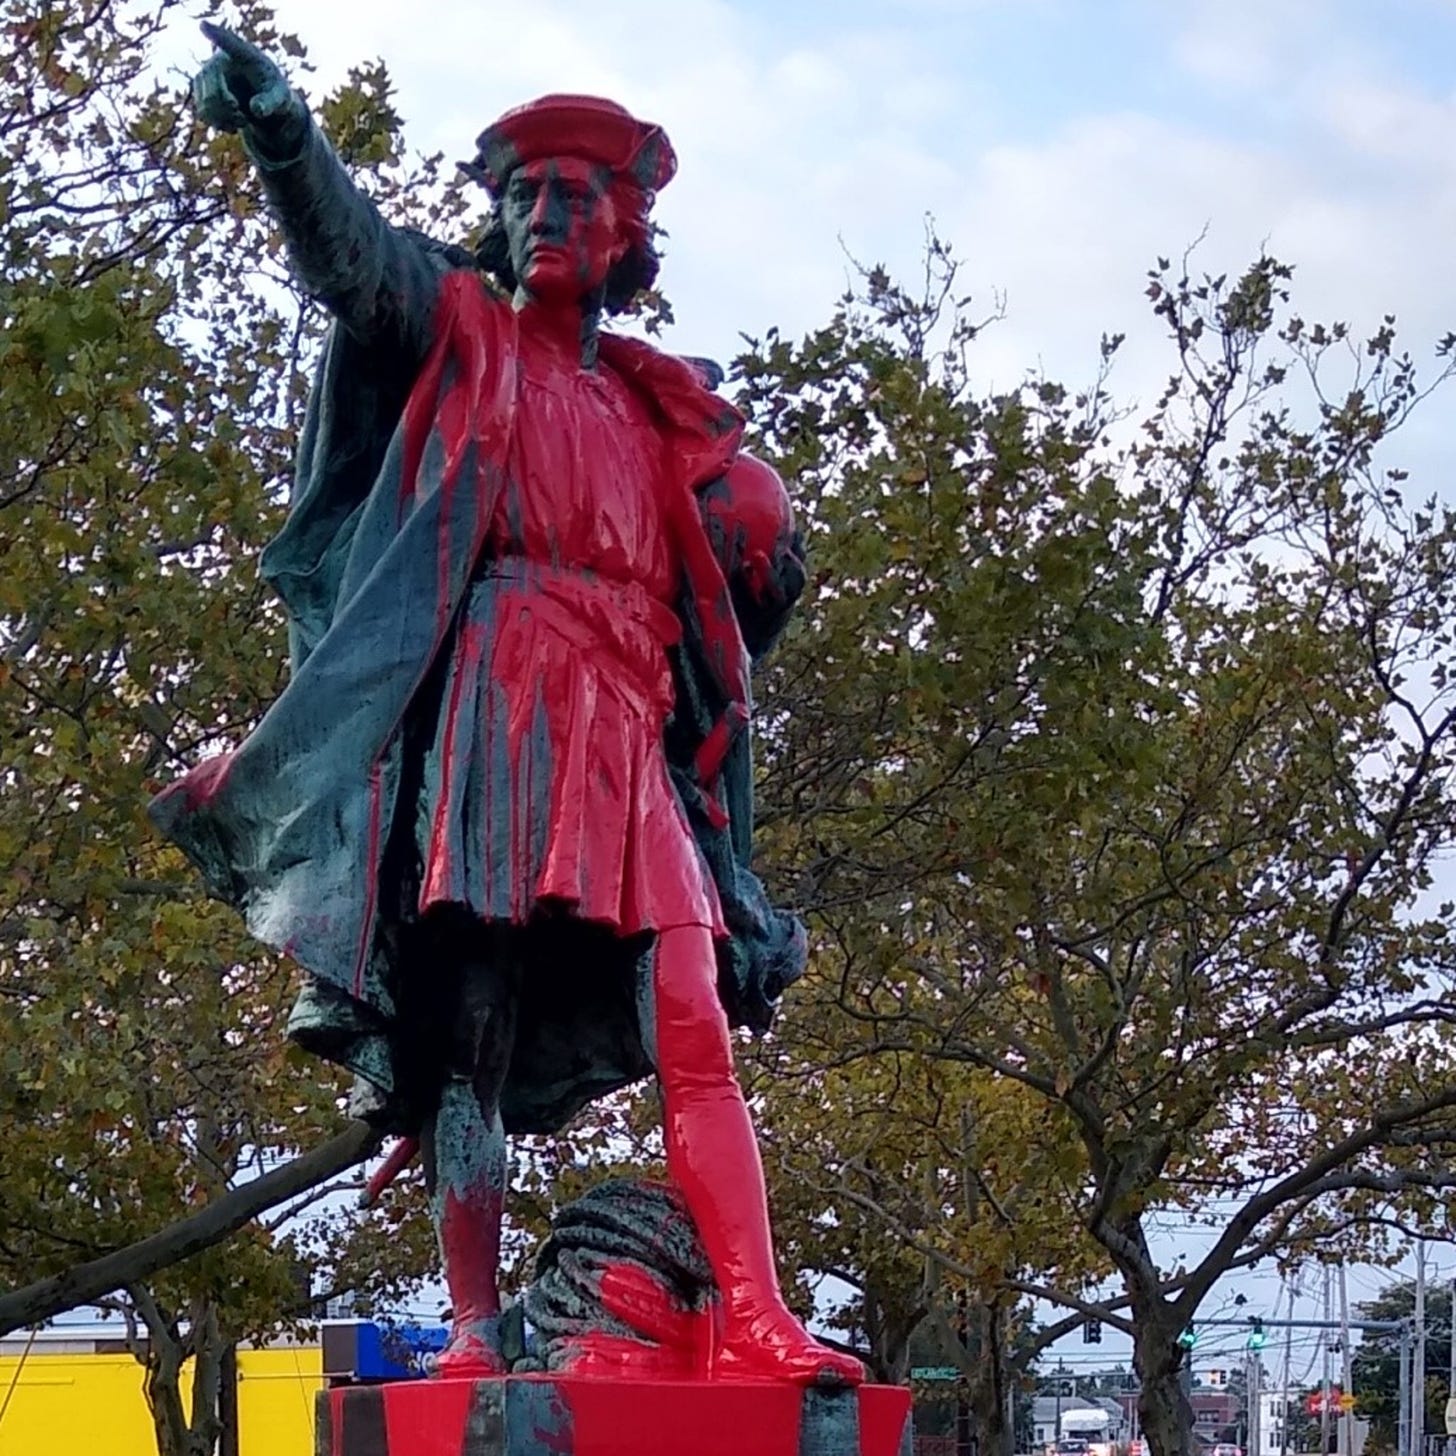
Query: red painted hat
{"points": [[588, 127]]}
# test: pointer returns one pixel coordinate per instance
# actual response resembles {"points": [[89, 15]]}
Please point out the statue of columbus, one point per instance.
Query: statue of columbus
{"points": [[501, 814]]}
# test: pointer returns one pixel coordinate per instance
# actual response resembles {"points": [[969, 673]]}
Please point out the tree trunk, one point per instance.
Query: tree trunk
{"points": [[977, 1338], [1166, 1415], [163, 1356], [163, 1388], [208, 1347], [888, 1330], [988, 1390], [1164, 1411], [227, 1404]]}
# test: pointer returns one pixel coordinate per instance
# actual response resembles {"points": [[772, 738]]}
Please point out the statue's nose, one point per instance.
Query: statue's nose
{"points": [[548, 216]]}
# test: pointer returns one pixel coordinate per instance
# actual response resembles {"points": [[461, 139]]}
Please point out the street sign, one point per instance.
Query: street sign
{"points": [[1347, 1402], [933, 1372], [1451, 1416]]}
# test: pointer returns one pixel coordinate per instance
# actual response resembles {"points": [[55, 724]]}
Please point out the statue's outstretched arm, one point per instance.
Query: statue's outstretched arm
{"points": [[379, 282]]}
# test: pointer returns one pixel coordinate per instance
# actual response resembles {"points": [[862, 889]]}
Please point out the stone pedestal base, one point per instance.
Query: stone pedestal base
{"points": [[558, 1415]]}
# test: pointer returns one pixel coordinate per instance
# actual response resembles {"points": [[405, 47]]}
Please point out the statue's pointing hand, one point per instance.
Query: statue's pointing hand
{"points": [[240, 87]]}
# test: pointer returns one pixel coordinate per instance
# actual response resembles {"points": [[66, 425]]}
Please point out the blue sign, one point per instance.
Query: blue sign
{"points": [[390, 1351]]}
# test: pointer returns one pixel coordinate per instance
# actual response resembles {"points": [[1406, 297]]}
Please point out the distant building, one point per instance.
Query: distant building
{"points": [[1215, 1412], [76, 1388]]}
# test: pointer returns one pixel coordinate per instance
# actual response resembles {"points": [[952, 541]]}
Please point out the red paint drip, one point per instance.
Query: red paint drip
{"points": [[371, 888], [600, 1356], [202, 784], [475, 348], [696, 455], [400, 1156], [470, 1224], [524, 746], [436, 885], [637, 1299]]}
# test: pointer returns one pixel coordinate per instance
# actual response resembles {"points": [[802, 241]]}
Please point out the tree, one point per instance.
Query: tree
{"points": [[891, 1176], [153, 356], [1135, 796], [1375, 1367], [1126, 819]]}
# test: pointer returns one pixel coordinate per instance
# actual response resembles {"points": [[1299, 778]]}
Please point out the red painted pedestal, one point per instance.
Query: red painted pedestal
{"points": [[556, 1415]]}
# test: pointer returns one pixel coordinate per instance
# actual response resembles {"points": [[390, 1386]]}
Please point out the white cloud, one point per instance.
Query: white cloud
{"points": [[1241, 45], [844, 136]]}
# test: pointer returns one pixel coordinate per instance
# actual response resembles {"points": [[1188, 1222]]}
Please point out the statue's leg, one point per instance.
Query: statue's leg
{"points": [[712, 1155], [464, 1153]]}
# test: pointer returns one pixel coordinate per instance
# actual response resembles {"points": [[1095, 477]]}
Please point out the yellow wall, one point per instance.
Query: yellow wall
{"points": [[92, 1405]]}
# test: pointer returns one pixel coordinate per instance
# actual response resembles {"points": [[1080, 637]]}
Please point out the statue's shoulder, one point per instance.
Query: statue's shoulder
{"points": [[449, 256], [469, 306], [452, 259], [682, 392]]}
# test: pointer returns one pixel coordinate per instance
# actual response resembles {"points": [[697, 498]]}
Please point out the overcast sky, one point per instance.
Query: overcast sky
{"points": [[1061, 145]]}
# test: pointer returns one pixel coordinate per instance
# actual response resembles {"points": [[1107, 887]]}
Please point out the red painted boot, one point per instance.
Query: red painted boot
{"points": [[770, 1344], [712, 1155], [472, 1352]]}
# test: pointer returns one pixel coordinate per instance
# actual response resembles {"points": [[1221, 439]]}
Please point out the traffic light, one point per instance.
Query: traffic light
{"points": [[1189, 1338], [1092, 1332], [1257, 1335]]}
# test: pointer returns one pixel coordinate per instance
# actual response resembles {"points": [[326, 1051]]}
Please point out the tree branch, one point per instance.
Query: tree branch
{"points": [[47, 1298]]}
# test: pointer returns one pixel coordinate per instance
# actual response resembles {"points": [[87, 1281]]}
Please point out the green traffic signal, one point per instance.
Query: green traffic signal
{"points": [[1257, 1336], [1189, 1338]]}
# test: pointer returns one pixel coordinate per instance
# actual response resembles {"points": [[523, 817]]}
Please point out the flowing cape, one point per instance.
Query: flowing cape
{"points": [[396, 485]]}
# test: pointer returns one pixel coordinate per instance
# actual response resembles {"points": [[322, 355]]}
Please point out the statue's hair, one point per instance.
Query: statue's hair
{"points": [[633, 272]]}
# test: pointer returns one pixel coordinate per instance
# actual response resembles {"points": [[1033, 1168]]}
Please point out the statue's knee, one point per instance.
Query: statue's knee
{"points": [[693, 1045], [689, 1030]]}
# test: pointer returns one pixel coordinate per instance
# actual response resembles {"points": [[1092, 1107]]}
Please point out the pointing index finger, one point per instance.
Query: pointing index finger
{"points": [[235, 47]]}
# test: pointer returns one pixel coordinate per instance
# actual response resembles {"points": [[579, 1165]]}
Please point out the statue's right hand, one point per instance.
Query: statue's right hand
{"points": [[239, 86]]}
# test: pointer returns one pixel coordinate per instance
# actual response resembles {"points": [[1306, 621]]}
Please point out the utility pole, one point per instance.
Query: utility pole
{"points": [[1325, 1378], [1451, 1376], [1255, 1379], [1057, 1432], [1284, 1382], [1347, 1378], [1418, 1359], [1403, 1441]]}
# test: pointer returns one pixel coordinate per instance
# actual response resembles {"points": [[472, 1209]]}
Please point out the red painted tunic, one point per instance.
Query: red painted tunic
{"points": [[547, 785]]}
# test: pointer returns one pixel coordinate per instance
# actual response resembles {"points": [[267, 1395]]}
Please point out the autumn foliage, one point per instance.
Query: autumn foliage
{"points": [[1109, 757]]}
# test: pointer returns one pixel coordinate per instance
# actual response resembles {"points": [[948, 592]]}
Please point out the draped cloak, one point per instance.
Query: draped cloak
{"points": [[397, 480]]}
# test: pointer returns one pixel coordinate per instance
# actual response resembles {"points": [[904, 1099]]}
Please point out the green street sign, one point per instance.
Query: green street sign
{"points": [[934, 1372]]}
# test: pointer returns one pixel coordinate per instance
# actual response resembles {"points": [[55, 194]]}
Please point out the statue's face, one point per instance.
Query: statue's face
{"points": [[561, 226]]}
